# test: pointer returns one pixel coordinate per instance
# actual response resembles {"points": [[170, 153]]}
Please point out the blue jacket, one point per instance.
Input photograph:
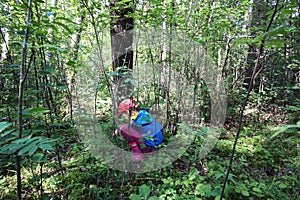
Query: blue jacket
{"points": [[149, 128]]}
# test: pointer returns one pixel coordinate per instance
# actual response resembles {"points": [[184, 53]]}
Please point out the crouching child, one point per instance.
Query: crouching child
{"points": [[143, 133]]}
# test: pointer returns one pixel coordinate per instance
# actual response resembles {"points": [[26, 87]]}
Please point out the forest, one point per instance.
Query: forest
{"points": [[219, 79]]}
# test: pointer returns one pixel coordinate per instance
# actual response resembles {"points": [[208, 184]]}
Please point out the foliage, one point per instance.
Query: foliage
{"points": [[285, 128], [63, 39]]}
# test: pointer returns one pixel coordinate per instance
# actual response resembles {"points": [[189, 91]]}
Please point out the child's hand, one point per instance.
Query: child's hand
{"points": [[115, 133]]}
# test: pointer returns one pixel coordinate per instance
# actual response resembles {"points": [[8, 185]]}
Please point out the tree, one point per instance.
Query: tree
{"points": [[121, 30]]}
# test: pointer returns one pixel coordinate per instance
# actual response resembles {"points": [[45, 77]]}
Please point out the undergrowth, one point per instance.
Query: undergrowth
{"points": [[263, 168]]}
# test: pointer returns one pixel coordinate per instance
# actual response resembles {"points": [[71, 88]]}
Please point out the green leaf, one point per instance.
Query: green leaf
{"points": [[45, 196], [16, 43], [38, 110], [52, 26], [4, 125], [26, 140], [219, 175], [256, 189], [47, 85], [26, 149], [218, 197], [243, 40], [13, 65], [33, 150], [22, 32], [66, 19], [6, 133], [274, 31], [122, 2], [144, 190], [135, 197], [44, 72], [46, 147], [293, 108], [154, 198], [50, 46], [61, 86], [258, 39], [282, 185], [275, 43], [39, 157], [64, 26], [202, 189], [10, 148], [245, 193], [193, 173], [70, 63], [284, 128]]}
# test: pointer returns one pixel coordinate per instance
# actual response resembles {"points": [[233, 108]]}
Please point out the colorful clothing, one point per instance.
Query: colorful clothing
{"points": [[144, 131], [150, 129]]}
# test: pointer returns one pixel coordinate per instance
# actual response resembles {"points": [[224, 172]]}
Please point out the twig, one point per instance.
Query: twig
{"points": [[6, 45], [99, 47], [20, 97], [228, 48], [250, 87]]}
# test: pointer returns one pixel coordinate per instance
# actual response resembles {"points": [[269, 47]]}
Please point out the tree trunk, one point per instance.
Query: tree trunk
{"points": [[121, 34], [258, 18]]}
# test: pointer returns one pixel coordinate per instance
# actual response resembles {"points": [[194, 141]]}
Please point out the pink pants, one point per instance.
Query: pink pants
{"points": [[132, 136]]}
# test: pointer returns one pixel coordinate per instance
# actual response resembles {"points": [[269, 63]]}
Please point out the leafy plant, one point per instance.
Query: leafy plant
{"points": [[144, 192], [29, 145], [286, 128]]}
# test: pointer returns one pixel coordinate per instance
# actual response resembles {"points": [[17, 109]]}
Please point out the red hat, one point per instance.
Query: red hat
{"points": [[125, 105]]}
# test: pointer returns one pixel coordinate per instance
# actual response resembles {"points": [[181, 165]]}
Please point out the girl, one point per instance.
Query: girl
{"points": [[143, 133]]}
